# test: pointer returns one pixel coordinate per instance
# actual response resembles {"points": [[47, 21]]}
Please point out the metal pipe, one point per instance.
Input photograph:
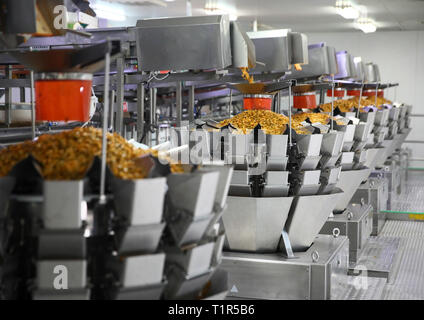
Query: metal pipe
{"points": [[278, 102], [376, 94], [8, 99], [290, 114], [120, 95], [112, 111], [32, 97], [191, 104], [140, 111], [102, 198], [179, 103], [149, 133], [360, 98], [332, 102], [231, 102]]}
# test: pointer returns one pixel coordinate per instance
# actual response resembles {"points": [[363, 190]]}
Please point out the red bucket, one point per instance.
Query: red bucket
{"points": [[338, 93], [369, 93], [257, 102], [305, 101], [354, 93], [63, 96]]}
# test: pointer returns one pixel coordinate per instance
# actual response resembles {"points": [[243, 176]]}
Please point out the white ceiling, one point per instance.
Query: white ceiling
{"points": [[300, 15]]}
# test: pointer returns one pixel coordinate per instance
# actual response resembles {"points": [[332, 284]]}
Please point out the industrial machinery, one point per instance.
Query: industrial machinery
{"points": [[285, 215]]}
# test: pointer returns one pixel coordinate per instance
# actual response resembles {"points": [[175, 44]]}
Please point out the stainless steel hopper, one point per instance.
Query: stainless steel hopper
{"points": [[194, 260], [331, 148], [349, 131], [382, 117], [307, 216], [349, 182], [276, 146], [308, 151], [368, 117], [329, 178], [191, 198], [306, 182], [181, 286], [255, 224], [138, 271], [346, 160], [372, 155], [394, 114], [141, 201]]}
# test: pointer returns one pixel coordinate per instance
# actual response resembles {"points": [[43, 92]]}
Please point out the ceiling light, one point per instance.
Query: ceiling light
{"points": [[346, 9], [366, 25]]}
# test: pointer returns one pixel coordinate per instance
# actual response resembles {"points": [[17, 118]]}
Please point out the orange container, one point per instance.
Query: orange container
{"points": [[257, 102], [305, 101], [63, 96], [354, 93], [369, 93], [338, 93]]}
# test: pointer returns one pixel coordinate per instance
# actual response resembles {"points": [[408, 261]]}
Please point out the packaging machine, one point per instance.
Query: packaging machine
{"points": [[286, 217]]}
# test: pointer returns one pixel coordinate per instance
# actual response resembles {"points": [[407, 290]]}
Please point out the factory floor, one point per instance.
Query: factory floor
{"points": [[406, 279]]}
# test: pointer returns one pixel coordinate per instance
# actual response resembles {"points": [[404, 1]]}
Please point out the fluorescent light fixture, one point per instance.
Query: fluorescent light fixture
{"points": [[346, 9], [109, 13], [366, 25]]}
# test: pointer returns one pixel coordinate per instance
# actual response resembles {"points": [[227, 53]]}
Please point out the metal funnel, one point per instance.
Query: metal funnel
{"points": [[372, 154], [349, 182], [136, 271], [276, 146], [194, 192], [139, 201], [394, 114], [309, 145], [6, 186], [362, 131], [181, 286], [194, 260], [388, 149], [368, 117], [307, 216], [332, 143], [255, 224], [140, 238], [349, 131], [382, 117], [346, 160], [225, 175], [62, 204]]}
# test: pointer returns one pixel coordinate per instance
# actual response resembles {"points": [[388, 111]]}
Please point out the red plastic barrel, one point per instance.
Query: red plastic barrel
{"points": [[354, 93], [305, 101], [63, 96], [257, 102], [338, 93], [369, 93]]}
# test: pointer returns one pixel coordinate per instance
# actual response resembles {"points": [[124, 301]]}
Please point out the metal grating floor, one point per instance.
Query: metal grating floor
{"points": [[407, 281], [412, 197], [407, 274]]}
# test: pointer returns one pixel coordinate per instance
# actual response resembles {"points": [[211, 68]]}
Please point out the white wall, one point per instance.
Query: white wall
{"points": [[400, 57]]}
